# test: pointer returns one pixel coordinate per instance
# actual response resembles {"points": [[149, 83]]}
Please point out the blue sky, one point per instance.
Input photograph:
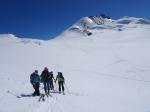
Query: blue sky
{"points": [[45, 19]]}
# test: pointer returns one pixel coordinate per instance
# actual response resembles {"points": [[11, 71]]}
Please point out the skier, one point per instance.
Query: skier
{"points": [[51, 78], [35, 81], [61, 81], [45, 79]]}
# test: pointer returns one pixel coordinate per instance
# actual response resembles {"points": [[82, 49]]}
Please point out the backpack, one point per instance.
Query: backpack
{"points": [[44, 76], [34, 78], [50, 77], [60, 77]]}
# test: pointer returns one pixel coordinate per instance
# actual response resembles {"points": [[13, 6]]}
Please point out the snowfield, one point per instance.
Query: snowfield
{"points": [[108, 71]]}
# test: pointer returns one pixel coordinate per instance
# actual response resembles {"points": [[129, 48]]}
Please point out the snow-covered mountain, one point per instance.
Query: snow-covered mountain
{"points": [[106, 71], [87, 24]]}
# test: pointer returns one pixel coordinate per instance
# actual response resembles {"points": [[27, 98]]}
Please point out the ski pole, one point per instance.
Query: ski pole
{"points": [[56, 87], [67, 88]]}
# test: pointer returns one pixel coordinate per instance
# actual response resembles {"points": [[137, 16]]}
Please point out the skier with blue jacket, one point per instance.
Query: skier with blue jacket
{"points": [[35, 81]]}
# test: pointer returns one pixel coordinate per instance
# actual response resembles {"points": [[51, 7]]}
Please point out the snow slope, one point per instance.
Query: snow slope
{"points": [[107, 71]]}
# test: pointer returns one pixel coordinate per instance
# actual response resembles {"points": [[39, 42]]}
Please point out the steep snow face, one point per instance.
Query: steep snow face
{"points": [[108, 71], [86, 25], [91, 22]]}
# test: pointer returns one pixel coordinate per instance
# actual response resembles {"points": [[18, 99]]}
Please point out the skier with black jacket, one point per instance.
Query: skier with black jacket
{"points": [[61, 81], [51, 78], [45, 80]]}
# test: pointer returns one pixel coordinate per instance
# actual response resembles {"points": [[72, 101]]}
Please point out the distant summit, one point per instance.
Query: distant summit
{"points": [[16, 39], [8, 36]]}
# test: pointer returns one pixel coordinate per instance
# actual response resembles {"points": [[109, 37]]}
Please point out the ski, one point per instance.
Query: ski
{"points": [[18, 96], [57, 92], [42, 97]]}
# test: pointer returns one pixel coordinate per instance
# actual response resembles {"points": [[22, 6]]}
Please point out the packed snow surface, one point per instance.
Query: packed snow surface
{"points": [[108, 71]]}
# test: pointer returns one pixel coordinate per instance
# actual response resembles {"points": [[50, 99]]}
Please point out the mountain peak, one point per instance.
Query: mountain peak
{"points": [[85, 25]]}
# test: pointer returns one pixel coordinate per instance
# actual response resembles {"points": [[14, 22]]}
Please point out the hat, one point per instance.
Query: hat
{"points": [[36, 71], [45, 68]]}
